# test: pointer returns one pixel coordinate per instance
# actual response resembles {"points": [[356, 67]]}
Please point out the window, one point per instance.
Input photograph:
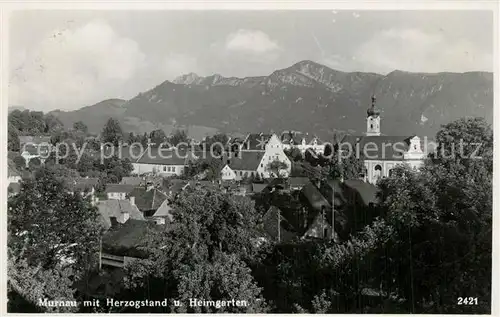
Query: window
{"points": [[261, 165], [371, 126], [378, 171], [390, 172], [164, 168]]}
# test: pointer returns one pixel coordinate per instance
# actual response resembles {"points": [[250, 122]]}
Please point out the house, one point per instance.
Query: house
{"points": [[296, 183], [382, 153], [319, 218], [147, 200], [133, 180], [121, 244], [301, 141], [277, 227], [118, 191], [163, 214], [256, 161], [84, 186], [121, 210], [162, 161]]}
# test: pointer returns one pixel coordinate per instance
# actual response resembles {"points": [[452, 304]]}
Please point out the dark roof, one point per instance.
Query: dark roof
{"points": [[383, 147], [133, 153], [119, 188], [314, 197], [114, 208], [127, 238], [246, 161], [256, 141], [294, 181], [81, 184], [367, 191], [338, 187], [132, 180], [292, 137], [147, 199], [270, 225], [163, 156], [257, 188]]}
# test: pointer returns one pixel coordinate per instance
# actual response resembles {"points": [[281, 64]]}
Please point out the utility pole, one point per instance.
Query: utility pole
{"points": [[279, 225]]}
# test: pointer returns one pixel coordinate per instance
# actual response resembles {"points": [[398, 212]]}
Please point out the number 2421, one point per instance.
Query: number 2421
{"points": [[467, 301]]}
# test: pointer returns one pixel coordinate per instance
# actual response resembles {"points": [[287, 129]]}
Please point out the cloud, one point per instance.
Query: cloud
{"points": [[250, 41], [418, 51], [176, 65], [72, 68]]}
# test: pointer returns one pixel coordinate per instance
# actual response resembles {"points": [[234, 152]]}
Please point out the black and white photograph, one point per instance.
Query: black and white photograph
{"points": [[297, 160]]}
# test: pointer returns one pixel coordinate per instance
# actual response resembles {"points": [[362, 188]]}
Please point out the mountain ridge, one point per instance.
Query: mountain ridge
{"points": [[306, 96]]}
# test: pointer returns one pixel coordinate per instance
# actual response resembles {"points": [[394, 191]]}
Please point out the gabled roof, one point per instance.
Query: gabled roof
{"points": [[119, 188], [383, 147], [147, 199], [291, 137], [114, 208], [367, 191], [132, 180], [274, 218], [81, 184], [163, 156], [165, 211], [129, 237], [257, 187], [246, 161], [314, 197], [133, 153], [298, 181], [256, 141]]}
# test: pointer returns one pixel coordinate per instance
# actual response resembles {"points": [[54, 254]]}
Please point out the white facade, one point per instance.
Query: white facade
{"points": [[227, 174], [158, 169], [13, 179], [274, 151], [414, 157], [119, 196]]}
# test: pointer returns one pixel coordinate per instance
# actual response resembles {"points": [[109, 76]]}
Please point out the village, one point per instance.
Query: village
{"points": [[258, 166]]}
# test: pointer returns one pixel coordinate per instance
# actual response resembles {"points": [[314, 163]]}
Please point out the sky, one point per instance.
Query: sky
{"points": [[70, 59]]}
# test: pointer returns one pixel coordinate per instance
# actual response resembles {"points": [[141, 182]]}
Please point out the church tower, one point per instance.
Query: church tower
{"points": [[373, 120]]}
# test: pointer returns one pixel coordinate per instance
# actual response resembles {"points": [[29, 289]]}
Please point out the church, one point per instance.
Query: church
{"points": [[381, 153]]}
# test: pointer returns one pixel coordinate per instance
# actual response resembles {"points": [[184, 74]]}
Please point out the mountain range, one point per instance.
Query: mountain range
{"points": [[306, 96]]}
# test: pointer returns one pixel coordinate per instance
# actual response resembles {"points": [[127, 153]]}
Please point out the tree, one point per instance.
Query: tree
{"points": [[177, 137], [34, 163], [276, 168], [294, 154], [112, 132], [158, 137], [20, 162], [442, 219], [81, 127], [46, 223], [13, 138]]}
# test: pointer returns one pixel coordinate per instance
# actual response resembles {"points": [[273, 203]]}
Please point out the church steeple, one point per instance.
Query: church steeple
{"points": [[373, 120]]}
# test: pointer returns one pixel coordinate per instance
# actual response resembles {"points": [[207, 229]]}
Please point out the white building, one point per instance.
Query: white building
{"points": [[382, 153], [255, 159], [162, 161], [296, 139]]}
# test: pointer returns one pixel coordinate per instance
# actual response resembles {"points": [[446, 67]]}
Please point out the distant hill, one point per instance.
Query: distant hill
{"points": [[306, 96]]}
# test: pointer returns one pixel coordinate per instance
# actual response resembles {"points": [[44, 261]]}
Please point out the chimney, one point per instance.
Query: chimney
{"points": [[132, 200]]}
